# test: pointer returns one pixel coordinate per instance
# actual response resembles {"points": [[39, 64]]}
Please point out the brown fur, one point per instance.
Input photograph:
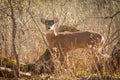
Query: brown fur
{"points": [[74, 40]]}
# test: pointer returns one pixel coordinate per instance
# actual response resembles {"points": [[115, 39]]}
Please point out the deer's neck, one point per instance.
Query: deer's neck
{"points": [[50, 36]]}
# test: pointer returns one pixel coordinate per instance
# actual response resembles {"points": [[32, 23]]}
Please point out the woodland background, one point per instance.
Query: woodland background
{"points": [[20, 31]]}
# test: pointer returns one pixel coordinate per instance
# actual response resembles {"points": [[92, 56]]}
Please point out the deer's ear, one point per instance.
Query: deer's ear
{"points": [[43, 20], [55, 20]]}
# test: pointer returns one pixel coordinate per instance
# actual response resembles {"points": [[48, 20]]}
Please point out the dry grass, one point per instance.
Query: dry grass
{"points": [[79, 14]]}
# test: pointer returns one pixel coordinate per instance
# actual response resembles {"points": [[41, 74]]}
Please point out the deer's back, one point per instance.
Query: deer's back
{"points": [[77, 39]]}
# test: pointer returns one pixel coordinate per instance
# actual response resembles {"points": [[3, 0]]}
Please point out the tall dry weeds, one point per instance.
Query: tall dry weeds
{"points": [[81, 14]]}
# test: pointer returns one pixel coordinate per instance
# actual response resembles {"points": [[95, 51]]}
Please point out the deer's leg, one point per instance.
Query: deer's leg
{"points": [[61, 55], [66, 60]]}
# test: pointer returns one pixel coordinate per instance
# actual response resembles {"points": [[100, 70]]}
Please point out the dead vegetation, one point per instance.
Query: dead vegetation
{"points": [[74, 15]]}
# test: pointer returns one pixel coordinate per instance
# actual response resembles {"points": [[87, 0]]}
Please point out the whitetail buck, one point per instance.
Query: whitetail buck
{"points": [[67, 41]]}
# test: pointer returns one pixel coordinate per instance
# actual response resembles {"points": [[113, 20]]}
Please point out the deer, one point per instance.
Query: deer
{"points": [[67, 41], [63, 28]]}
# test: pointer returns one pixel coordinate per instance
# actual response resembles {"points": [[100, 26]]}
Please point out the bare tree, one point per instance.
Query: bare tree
{"points": [[12, 16]]}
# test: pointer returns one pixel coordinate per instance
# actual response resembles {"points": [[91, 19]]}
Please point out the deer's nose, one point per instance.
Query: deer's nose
{"points": [[49, 26]]}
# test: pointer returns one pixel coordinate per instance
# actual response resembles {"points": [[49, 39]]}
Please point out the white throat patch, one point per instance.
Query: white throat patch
{"points": [[53, 28]]}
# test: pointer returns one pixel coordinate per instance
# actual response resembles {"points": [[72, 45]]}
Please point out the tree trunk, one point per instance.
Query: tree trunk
{"points": [[13, 37]]}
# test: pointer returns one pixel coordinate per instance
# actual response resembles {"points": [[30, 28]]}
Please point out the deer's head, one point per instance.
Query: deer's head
{"points": [[49, 23]]}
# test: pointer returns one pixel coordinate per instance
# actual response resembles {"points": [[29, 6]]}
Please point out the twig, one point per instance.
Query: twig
{"points": [[47, 45], [112, 40], [108, 40], [108, 33], [112, 15], [5, 12], [116, 0], [106, 17], [114, 33]]}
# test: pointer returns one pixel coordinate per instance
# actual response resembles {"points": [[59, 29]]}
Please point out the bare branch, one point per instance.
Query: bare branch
{"points": [[5, 12], [106, 17], [112, 40], [116, 0], [40, 32], [108, 40], [112, 15]]}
